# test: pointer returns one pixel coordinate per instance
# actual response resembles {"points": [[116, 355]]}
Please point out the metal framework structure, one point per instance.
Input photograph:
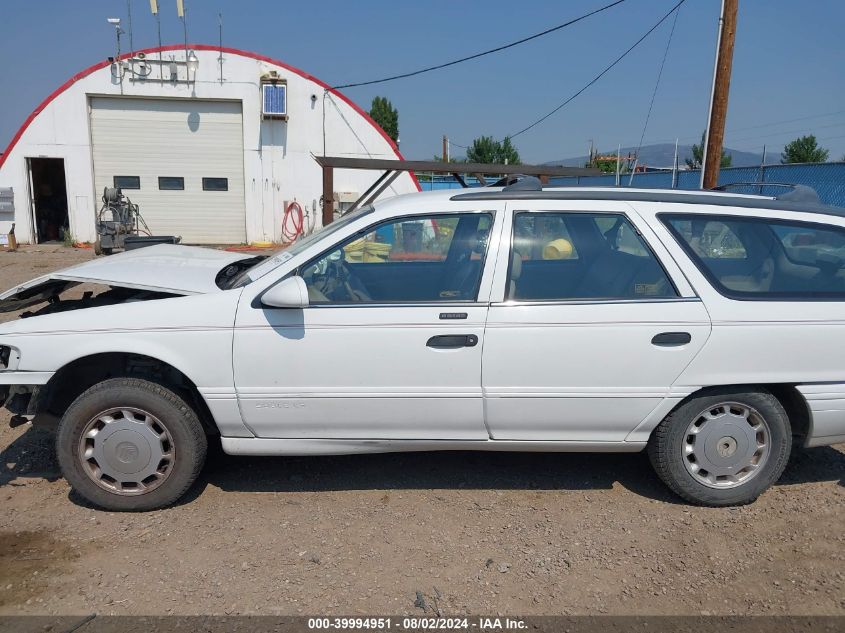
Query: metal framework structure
{"points": [[393, 168]]}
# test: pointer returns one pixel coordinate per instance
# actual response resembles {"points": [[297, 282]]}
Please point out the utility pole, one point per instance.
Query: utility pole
{"points": [[712, 158], [618, 164], [445, 155]]}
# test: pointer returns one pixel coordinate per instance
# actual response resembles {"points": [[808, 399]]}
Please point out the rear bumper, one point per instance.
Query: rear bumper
{"points": [[826, 402]]}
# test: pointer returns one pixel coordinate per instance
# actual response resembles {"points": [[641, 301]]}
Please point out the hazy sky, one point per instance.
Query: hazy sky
{"points": [[788, 75]]}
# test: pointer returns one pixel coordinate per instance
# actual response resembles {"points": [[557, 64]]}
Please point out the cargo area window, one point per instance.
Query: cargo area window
{"points": [[759, 258], [435, 258], [572, 256], [215, 184], [127, 182], [171, 183]]}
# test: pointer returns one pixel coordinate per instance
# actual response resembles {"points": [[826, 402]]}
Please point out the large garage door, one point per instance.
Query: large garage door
{"points": [[184, 156]]}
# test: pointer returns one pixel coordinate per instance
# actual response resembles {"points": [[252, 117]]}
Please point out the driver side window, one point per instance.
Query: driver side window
{"points": [[424, 258]]}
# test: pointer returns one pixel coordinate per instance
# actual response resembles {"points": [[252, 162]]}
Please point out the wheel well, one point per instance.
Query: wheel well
{"points": [[789, 397], [76, 377], [796, 409]]}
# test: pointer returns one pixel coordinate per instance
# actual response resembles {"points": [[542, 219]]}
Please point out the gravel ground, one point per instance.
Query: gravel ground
{"points": [[454, 533]]}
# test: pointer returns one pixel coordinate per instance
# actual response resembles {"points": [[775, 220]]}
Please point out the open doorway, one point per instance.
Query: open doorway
{"points": [[49, 198]]}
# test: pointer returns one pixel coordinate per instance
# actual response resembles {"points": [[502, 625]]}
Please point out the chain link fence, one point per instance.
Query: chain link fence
{"points": [[828, 179]]}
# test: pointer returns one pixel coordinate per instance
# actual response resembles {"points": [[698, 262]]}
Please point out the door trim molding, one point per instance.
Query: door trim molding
{"points": [[271, 446]]}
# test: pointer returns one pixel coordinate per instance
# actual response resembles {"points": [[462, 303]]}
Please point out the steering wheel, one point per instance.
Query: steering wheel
{"points": [[340, 284]]}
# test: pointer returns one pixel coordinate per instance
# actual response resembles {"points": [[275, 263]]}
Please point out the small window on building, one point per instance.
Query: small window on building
{"points": [[275, 96], [215, 184], [171, 183], [127, 182]]}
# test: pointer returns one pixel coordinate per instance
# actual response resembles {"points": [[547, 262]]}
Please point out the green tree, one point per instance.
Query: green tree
{"points": [[804, 150], [607, 163], [698, 156], [485, 149], [383, 113]]}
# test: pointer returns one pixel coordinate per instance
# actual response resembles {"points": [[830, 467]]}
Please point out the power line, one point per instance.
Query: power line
{"points": [[742, 129], [482, 54], [600, 75], [784, 132], [830, 138], [657, 83], [803, 118]]}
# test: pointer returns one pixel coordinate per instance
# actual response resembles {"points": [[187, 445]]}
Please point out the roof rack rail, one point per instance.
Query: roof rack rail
{"points": [[794, 193], [673, 196]]}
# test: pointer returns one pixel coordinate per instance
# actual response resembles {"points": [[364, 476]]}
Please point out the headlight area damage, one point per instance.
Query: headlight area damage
{"points": [[15, 398]]}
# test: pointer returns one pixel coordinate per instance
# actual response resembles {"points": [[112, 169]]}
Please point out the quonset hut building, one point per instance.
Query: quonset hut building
{"points": [[211, 143]]}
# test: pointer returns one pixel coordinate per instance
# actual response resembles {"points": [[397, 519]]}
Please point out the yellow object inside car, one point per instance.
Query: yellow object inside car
{"points": [[558, 249], [367, 252]]}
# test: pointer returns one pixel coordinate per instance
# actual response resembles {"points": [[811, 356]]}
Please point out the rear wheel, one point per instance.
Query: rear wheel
{"points": [[130, 444], [724, 447]]}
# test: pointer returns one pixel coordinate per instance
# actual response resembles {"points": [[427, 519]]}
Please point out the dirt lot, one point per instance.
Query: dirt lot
{"points": [[387, 534]]}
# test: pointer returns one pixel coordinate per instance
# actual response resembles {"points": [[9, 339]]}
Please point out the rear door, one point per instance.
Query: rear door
{"points": [[590, 324]]}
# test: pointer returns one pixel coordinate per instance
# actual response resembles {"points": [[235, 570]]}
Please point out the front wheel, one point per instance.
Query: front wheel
{"points": [[723, 447], [128, 444]]}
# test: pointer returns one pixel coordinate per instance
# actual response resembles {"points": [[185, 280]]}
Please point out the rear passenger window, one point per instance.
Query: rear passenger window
{"points": [[565, 256], [758, 258], [711, 238]]}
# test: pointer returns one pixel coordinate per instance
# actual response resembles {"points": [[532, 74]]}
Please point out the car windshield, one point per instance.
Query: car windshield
{"points": [[266, 264]]}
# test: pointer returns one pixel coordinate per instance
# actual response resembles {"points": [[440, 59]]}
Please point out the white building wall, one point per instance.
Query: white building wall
{"points": [[278, 163]]}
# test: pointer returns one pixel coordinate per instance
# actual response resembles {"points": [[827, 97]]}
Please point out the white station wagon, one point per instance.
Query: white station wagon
{"points": [[707, 328]]}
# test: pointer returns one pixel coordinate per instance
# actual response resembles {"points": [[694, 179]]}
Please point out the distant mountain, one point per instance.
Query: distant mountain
{"points": [[662, 154]]}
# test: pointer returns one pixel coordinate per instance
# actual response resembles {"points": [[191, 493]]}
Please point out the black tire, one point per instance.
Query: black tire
{"points": [[666, 447], [189, 442]]}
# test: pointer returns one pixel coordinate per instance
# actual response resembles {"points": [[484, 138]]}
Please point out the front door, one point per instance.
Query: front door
{"points": [[390, 347], [591, 331]]}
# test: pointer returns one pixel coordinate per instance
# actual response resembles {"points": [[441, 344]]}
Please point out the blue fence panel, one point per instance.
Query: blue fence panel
{"points": [[828, 179]]}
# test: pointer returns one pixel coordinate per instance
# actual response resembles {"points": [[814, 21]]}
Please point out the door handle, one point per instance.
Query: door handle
{"points": [[452, 341], [671, 339]]}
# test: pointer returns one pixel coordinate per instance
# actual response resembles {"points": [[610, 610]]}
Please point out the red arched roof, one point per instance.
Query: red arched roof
{"points": [[198, 47]]}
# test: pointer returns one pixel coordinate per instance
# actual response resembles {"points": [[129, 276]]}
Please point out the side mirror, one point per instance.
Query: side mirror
{"points": [[290, 293]]}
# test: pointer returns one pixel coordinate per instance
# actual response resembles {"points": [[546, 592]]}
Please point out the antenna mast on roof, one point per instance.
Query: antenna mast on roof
{"points": [[154, 10], [180, 11], [129, 20], [220, 56]]}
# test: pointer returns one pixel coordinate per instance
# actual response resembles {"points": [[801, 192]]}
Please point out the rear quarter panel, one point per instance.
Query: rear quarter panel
{"points": [[761, 341]]}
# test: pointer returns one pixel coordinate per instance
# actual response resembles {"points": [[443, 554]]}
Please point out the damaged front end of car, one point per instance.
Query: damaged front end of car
{"points": [[25, 393]]}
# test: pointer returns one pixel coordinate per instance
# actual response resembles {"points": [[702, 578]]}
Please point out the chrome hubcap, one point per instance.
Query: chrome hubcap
{"points": [[726, 445], [126, 451]]}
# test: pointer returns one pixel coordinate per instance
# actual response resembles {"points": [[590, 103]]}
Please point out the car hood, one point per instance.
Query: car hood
{"points": [[184, 270]]}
